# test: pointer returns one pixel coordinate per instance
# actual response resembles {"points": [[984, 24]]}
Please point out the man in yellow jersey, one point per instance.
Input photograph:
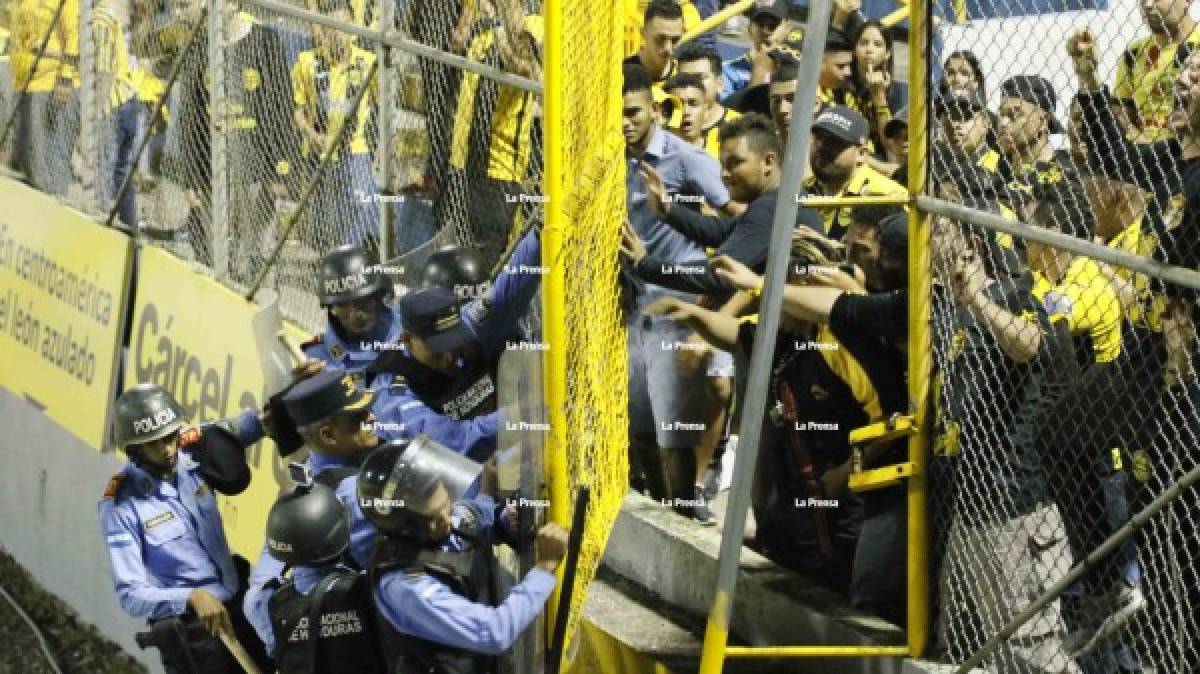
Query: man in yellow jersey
{"points": [[491, 145], [47, 92], [838, 161], [1076, 293], [1147, 69], [115, 96], [662, 28], [325, 82], [705, 63]]}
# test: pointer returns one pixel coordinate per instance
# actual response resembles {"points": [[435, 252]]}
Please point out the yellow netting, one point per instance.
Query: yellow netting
{"points": [[592, 206]]}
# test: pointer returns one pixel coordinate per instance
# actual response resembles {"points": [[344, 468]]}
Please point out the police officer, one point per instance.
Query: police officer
{"points": [[333, 416], [433, 564], [322, 616], [170, 560], [355, 294], [452, 352]]}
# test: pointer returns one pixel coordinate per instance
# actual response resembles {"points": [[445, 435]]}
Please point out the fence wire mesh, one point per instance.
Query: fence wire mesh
{"points": [[593, 207], [243, 124], [1066, 392]]}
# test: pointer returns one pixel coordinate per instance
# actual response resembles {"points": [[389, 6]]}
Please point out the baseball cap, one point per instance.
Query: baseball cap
{"points": [[791, 48], [329, 392], [893, 250], [842, 123], [960, 102], [1037, 90], [777, 9], [900, 120], [432, 315]]}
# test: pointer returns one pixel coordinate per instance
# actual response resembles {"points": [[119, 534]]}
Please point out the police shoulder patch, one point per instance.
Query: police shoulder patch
{"points": [[113, 487], [189, 436]]}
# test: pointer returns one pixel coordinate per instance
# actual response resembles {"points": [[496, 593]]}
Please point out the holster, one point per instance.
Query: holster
{"points": [[171, 637]]}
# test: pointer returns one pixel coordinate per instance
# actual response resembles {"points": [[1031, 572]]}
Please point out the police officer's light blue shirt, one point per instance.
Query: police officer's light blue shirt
{"points": [[356, 354], [165, 537], [491, 321], [424, 607], [362, 542]]}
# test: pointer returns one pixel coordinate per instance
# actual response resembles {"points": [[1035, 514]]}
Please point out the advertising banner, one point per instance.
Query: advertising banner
{"points": [[63, 281]]}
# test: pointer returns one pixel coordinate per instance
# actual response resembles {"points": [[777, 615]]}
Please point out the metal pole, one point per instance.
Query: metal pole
{"points": [[218, 145], [716, 635], [91, 121], [330, 150], [920, 339], [394, 39], [386, 105], [12, 114], [717, 19], [1177, 275], [1107, 548]]}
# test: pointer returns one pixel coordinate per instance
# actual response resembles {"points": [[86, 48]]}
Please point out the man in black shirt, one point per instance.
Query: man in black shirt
{"points": [[750, 164], [807, 519], [987, 393], [873, 329]]}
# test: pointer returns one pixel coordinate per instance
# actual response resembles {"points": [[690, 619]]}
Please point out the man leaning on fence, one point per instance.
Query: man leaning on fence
{"points": [[998, 350]]}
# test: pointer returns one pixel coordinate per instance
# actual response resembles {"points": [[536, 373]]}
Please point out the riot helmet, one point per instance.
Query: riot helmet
{"points": [[308, 526], [401, 487], [459, 269], [351, 273], [145, 413]]}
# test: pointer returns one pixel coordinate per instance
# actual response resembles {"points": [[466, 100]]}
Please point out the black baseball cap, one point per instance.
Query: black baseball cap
{"points": [[432, 314], [893, 126], [1037, 90], [963, 103], [842, 123], [330, 392], [893, 251], [777, 9]]}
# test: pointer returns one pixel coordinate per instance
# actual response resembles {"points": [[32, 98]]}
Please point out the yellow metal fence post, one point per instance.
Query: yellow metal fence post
{"points": [[919, 341], [554, 283]]}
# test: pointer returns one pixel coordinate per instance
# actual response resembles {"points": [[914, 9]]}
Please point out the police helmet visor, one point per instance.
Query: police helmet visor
{"points": [[399, 481]]}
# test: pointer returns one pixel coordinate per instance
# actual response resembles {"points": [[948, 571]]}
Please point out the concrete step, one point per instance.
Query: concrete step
{"points": [[673, 562]]}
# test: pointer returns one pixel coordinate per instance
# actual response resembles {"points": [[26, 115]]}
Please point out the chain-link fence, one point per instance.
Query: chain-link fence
{"points": [[1066, 390], [443, 146]]}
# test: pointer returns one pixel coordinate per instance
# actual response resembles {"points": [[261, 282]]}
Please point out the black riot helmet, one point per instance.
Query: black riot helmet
{"points": [[308, 526], [402, 486], [351, 273], [145, 413], [458, 269]]}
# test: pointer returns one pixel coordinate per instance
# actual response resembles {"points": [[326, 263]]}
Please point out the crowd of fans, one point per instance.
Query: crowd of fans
{"points": [[1054, 370], [1052, 367]]}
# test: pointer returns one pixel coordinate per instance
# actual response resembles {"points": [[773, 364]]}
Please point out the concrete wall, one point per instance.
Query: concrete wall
{"points": [[50, 483]]}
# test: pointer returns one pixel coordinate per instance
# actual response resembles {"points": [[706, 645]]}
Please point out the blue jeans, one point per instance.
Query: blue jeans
{"points": [[119, 158]]}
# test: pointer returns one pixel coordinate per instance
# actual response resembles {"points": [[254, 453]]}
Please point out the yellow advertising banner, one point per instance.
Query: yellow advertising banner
{"points": [[218, 355], [62, 291]]}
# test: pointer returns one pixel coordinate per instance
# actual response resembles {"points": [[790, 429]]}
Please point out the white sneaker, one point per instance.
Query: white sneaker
{"points": [[1127, 602]]}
